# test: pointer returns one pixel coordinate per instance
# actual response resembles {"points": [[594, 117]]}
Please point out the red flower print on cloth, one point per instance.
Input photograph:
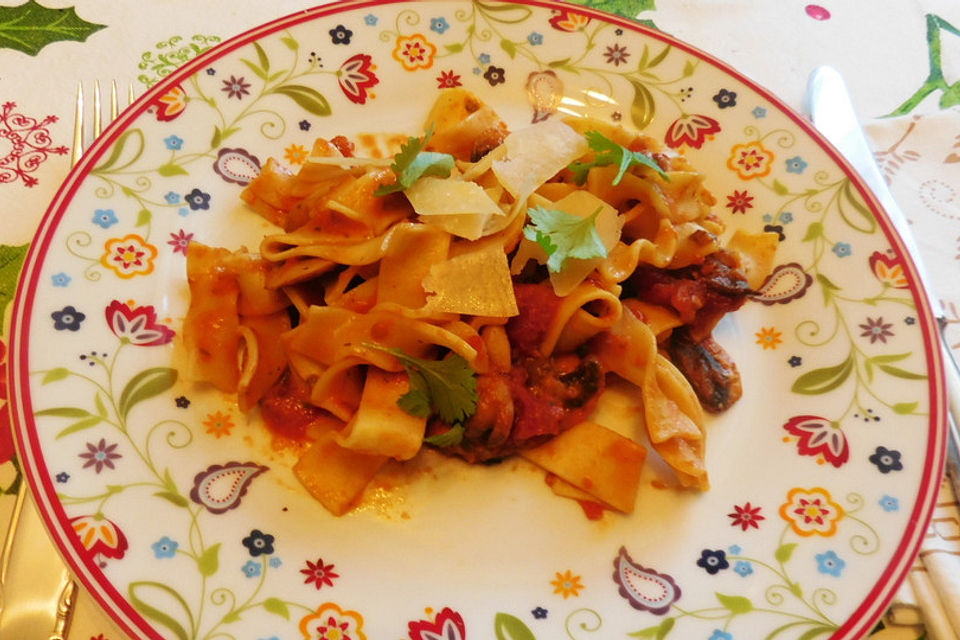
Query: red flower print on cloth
{"points": [[6, 434], [137, 325], [448, 625], [739, 202], [171, 104], [889, 270], [319, 574], [565, 20], [690, 129], [819, 437], [746, 516], [356, 77], [99, 536], [25, 144]]}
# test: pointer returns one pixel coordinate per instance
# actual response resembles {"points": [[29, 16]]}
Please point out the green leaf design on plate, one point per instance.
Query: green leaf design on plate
{"points": [[144, 217], [164, 601], [508, 627], [64, 412], [208, 563], [55, 374], [659, 631], [172, 169], [174, 498], [145, 385], [277, 606], [30, 27], [11, 262], [735, 604], [854, 210], [784, 551], [824, 379], [905, 408], [643, 107], [125, 151], [80, 425], [308, 98]]}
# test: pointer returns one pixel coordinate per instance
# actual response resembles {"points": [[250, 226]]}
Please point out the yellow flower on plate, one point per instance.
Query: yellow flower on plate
{"points": [[750, 160], [567, 584], [414, 52], [811, 511], [295, 154], [129, 256]]}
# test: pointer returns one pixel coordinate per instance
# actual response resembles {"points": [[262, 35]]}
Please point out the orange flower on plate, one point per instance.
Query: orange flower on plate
{"points": [[330, 622], [414, 52], [769, 338], [811, 511], [567, 584], [129, 256], [295, 154], [750, 160], [218, 424]]}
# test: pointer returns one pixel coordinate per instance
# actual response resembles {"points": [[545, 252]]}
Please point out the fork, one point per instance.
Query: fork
{"points": [[37, 592]]}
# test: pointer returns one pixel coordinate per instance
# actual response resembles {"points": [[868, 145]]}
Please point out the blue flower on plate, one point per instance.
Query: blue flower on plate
{"points": [[759, 112], [889, 503], [720, 635], [713, 561], [275, 562], [251, 569], [535, 38], [830, 563], [743, 568], [172, 197], [842, 249], [165, 547], [60, 279], [796, 164], [67, 319], [104, 218], [258, 543], [197, 199], [786, 217], [173, 143], [340, 35], [370, 20], [439, 24], [483, 58], [886, 460], [734, 549]]}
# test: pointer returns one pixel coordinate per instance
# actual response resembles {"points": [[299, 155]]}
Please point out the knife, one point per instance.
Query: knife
{"points": [[832, 113]]}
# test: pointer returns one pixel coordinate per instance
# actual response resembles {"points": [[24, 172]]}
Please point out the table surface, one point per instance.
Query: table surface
{"points": [[901, 61]]}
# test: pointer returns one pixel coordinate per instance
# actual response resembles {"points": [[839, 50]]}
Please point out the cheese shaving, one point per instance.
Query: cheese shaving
{"points": [[535, 154], [474, 283]]}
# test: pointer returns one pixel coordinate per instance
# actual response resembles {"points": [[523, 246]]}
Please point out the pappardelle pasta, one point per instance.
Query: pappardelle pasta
{"points": [[472, 294]]}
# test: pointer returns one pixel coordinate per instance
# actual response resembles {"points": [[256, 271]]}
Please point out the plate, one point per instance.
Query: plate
{"points": [[176, 513]]}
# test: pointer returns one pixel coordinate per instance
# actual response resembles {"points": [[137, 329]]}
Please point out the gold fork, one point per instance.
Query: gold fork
{"points": [[37, 592]]}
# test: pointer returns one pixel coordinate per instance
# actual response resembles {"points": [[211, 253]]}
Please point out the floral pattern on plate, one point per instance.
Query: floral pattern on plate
{"points": [[173, 508]]}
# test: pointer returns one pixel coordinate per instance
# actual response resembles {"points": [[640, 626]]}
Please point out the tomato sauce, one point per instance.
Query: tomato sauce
{"points": [[286, 411]]}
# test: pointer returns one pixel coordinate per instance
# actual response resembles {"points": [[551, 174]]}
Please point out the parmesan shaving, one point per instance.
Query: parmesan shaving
{"points": [[536, 154], [474, 283], [461, 208]]}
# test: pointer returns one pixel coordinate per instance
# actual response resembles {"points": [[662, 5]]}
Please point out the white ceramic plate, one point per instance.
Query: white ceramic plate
{"points": [[176, 514]]}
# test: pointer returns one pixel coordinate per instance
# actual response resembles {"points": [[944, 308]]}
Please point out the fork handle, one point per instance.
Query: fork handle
{"points": [[36, 591]]}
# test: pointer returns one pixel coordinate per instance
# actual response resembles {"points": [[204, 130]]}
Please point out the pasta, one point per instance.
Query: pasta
{"points": [[472, 294]]}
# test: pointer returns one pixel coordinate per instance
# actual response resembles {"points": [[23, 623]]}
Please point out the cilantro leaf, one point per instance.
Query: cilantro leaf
{"points": [[445, 387], [609, 152], [412, 163], [564, 235], [449, 438]]}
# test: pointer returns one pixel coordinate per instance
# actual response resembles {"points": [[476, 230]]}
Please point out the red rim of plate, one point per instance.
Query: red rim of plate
{"points": [[115, 603]]}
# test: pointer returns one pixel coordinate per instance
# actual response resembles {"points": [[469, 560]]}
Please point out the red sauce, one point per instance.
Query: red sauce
{"points": [[285, 409], [537, 304]]}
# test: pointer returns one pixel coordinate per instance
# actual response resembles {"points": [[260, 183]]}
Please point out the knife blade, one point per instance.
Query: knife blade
{"points": [[832, 112]]}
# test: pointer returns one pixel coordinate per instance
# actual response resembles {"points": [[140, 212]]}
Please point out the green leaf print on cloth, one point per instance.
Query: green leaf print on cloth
{"points": [[626, 8], [11, 261], [29, 27]]}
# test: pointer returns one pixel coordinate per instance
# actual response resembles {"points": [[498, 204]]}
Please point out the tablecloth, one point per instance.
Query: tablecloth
{"points": [[901, 60]]}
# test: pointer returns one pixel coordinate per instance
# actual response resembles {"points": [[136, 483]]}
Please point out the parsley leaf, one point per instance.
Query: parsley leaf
{"points": [[412, 163], [609, 152], [445, 387], [449, 438], [564, 235]]}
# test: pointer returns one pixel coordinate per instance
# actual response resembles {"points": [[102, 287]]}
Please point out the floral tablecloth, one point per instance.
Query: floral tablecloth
{"points": [[901, 61]]}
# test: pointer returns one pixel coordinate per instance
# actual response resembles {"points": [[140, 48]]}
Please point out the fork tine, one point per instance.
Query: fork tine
{"points": [[78, 128], [113, 100], [97, 130]]}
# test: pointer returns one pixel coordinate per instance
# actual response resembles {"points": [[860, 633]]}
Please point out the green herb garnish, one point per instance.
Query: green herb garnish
{"points": [[412, 163], [609, 152], [449, 438], [564, 235], [447, 388]]}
